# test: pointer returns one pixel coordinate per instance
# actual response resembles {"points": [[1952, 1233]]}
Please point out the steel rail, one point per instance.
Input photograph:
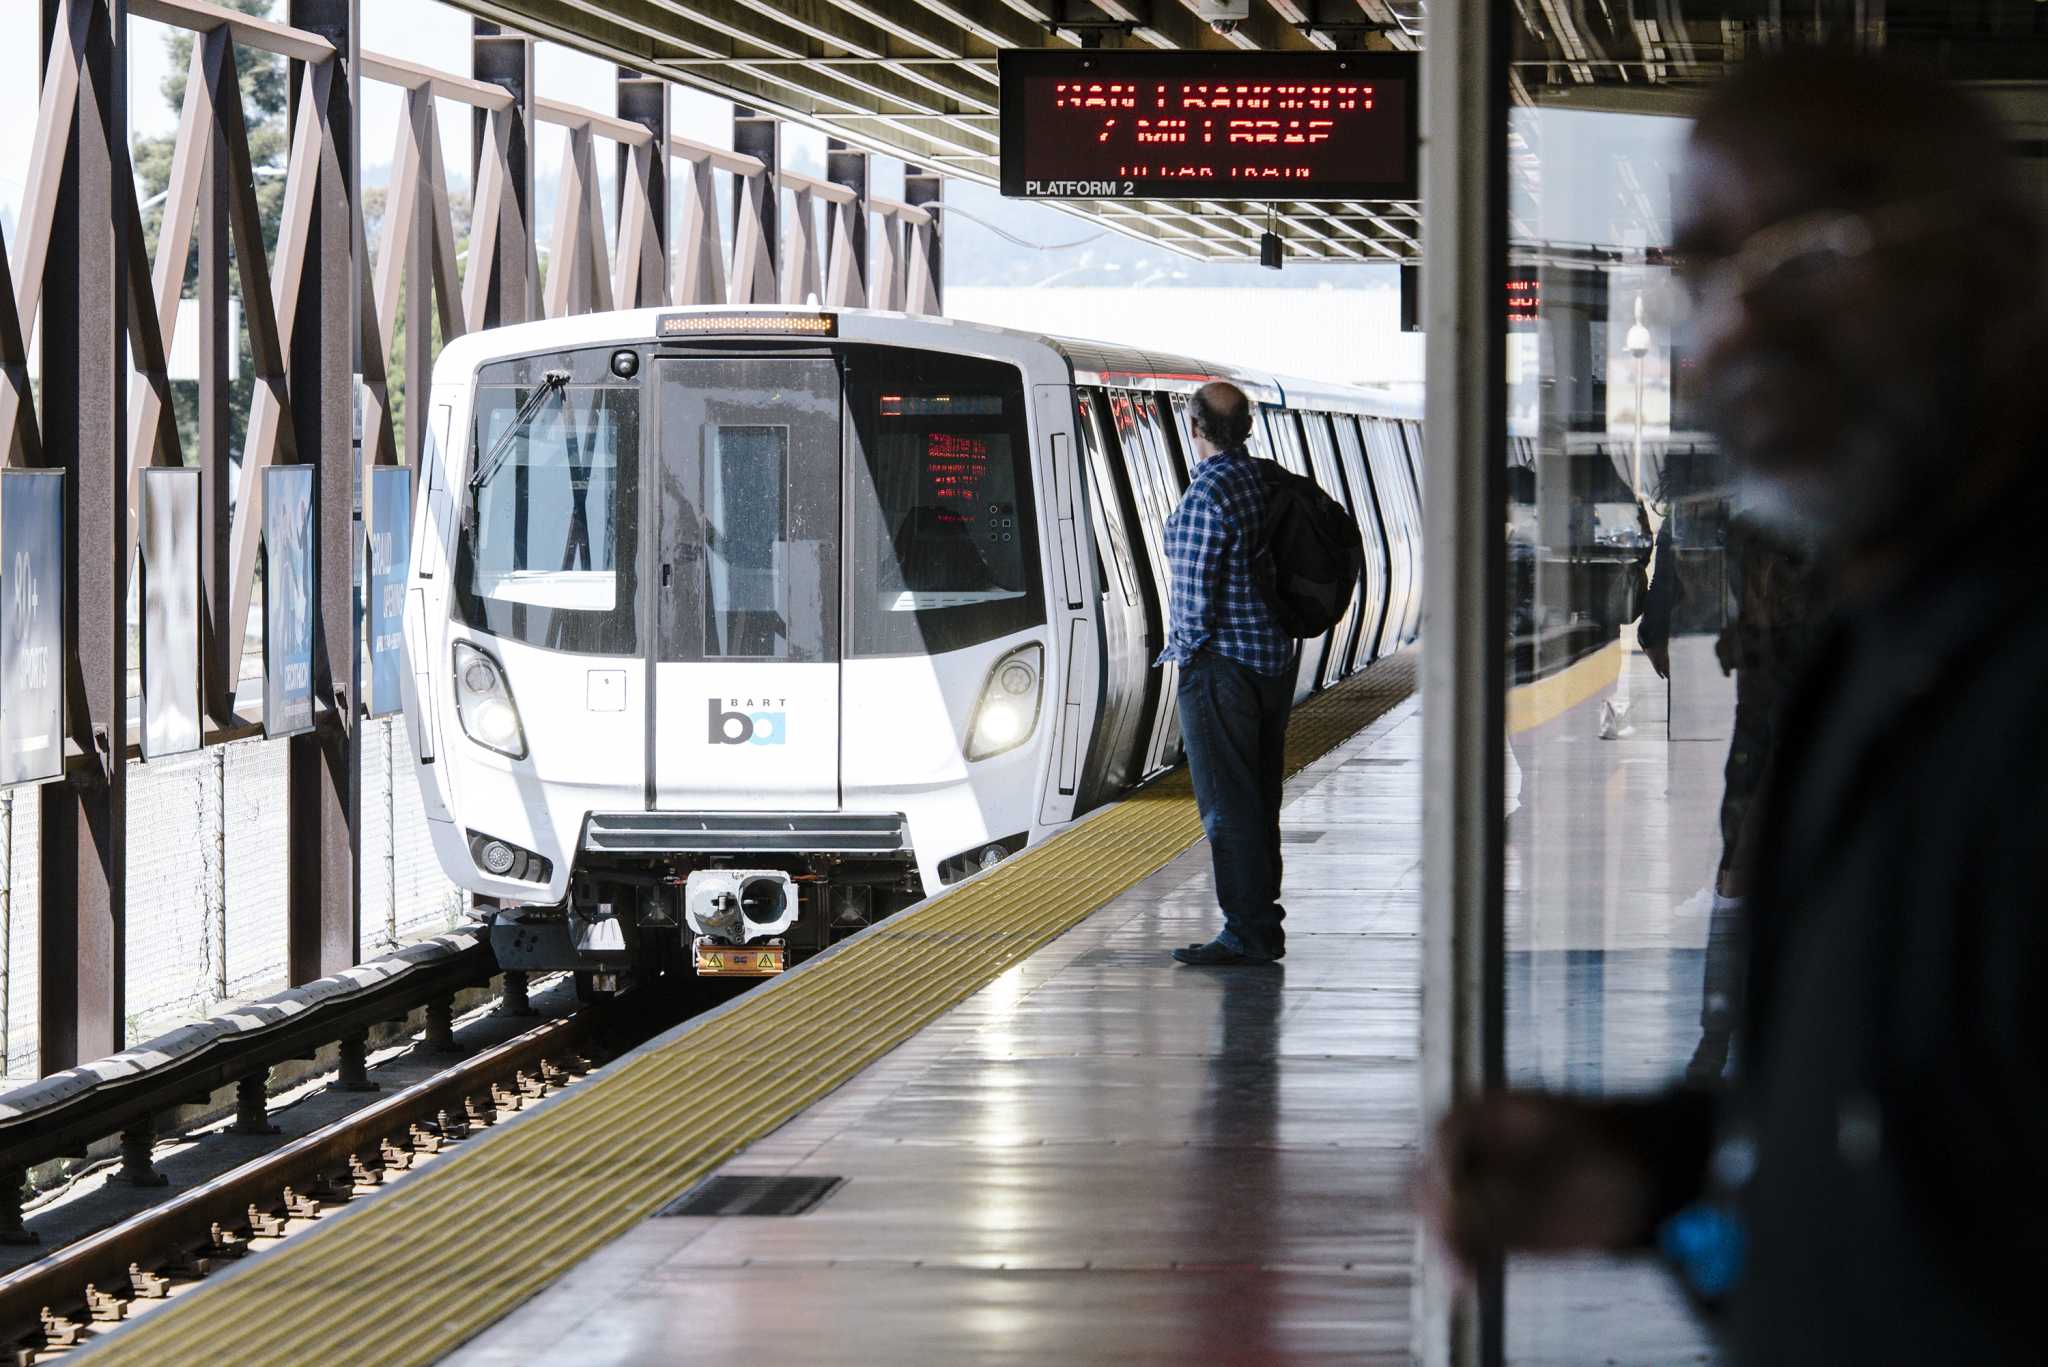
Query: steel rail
{"points": [[126, 1268]]}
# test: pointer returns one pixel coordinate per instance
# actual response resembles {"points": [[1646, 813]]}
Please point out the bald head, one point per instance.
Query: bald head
{"points": [[1868, 269], [1222, 415]]}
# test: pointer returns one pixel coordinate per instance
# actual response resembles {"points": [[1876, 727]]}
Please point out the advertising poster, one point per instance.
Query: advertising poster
{"points": [[390, 555], [171, 722], [287, 600], [31, 625]]}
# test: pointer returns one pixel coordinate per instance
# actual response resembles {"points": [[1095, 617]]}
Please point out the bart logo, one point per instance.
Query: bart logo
{"points": [[731, 726]]}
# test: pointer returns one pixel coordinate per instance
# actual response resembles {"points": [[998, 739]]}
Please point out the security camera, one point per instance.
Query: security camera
{"points": [[1223, 15]]}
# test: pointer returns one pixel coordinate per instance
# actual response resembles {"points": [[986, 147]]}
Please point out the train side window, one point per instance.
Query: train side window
{"points": [[1175, 455], [1286, 440], [1322, 457], [1111, 542], [1352, 453], [1184, 426]]}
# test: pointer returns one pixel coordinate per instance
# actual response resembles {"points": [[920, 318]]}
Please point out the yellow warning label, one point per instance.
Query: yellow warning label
{"points": [[716, 961]]}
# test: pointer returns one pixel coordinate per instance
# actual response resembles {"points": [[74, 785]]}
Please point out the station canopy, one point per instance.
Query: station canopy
{"points": [[916, 79]]}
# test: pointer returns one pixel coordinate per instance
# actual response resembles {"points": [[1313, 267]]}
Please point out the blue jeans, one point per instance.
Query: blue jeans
{"points": [[1234, 723]]}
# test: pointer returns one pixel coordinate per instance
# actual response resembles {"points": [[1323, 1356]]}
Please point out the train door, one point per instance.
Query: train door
{"points": [[746, 604], [1372, 600], [1116, 756], [1322, 455]]}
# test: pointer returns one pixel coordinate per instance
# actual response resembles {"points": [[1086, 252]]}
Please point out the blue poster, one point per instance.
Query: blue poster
{"points": [[288, 605], [390, 558], [31, 625]]}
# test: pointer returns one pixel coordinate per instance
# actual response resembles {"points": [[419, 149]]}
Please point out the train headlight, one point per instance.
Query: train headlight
{"points": [[483, 699], [1007, 713]]}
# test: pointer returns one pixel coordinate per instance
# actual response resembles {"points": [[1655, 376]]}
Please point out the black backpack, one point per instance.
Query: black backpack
{"points": [[1307, 562]]}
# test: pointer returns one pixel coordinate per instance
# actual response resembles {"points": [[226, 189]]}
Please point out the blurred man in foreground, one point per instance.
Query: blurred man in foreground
{"points": [[1871, 326]]}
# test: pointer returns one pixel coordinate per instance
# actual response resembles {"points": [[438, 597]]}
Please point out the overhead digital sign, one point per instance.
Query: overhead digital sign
{"points": [[1139, 124]]}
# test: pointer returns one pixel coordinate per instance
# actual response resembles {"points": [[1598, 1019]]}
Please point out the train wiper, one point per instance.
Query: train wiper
{"points": [[551, 383]]}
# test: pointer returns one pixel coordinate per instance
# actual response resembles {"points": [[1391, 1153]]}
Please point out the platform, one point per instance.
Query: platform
{"points": [[1180, 1110], [1100, 1157]]}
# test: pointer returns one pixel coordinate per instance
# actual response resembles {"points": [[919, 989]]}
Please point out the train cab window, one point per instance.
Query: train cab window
{"points": [[548, 516], [945, 548]]}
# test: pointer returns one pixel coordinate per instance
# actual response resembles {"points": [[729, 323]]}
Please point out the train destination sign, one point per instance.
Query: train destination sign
{"points": [[1138, 124]]}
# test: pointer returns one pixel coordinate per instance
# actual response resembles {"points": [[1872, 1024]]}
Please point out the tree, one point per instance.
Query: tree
{"points": [[263, 78]]}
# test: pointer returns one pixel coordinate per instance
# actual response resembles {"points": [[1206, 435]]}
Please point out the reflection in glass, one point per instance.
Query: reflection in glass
{"points": [[1620, 712], [745, 588]]}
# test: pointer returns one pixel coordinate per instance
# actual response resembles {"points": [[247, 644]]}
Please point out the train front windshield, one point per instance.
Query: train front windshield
{"points": [[874, 501]]}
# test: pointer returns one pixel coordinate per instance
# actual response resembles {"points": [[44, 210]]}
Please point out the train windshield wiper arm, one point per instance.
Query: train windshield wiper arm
{"points": [[551, 383]]}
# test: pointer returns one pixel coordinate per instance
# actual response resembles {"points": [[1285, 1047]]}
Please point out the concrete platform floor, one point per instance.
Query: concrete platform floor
{"points": [[1106, 1157]]}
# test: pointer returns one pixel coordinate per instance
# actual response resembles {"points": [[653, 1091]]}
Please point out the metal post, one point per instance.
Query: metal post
{"points": [[1464, 279], [390, 834], [926, 266], [325, 773], [85, 420], [216, 477], [13, 1181], [219, 910], [6, 930], [846, 271], [644, 100], [757, 209], [512, 294], [419, 294], [138, 1156], [252, 1105]]}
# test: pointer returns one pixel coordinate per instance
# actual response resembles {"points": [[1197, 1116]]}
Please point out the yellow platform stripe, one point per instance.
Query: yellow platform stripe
{"points": [[1530, 705], [438, 1260]]}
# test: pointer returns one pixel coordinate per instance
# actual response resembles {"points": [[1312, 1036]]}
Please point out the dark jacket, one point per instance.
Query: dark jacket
{"points": [[1887, 1142]]}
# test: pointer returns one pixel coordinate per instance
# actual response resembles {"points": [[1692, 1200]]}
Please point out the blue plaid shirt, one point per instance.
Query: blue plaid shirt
{"points": [[1208, 555]]}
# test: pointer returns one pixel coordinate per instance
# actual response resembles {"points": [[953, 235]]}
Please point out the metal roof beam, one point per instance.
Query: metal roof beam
{"points": [[796, 29], [999, 26]]}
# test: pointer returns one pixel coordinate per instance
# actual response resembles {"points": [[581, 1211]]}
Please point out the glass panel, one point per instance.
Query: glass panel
{"points": [[1614, 773], [945, 527], [747, 541], [549, 522], [746, 592], [1785, 700]]}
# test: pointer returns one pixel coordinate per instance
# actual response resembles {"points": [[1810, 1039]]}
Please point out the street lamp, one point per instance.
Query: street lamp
{"points": [[1637, 344]]}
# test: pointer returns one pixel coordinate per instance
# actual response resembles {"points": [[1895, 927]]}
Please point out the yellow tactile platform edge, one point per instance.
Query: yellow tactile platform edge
{"points": [[437, 1261]]}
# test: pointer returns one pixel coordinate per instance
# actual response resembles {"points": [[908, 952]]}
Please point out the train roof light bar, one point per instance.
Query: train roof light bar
{"points": [[747, 325]]}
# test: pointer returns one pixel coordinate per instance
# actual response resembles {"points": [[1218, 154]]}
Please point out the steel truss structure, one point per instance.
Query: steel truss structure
{"points": [[321, 310]]}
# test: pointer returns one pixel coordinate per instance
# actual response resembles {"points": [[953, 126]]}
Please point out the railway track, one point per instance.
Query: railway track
{"points": [[60, 1304]]}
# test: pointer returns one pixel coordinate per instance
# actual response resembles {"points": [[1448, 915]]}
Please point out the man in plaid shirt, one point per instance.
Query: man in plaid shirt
{"points": [[1236, 680]]}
